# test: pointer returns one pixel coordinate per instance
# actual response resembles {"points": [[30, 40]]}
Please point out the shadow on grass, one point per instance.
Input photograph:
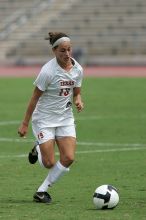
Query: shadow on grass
{"points": [[10, 201], [99, 210]]}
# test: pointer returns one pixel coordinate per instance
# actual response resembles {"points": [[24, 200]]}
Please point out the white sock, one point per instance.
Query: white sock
{"points": [[55, 173], [39, 156]]}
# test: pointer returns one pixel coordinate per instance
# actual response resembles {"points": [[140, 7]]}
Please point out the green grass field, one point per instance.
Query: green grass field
{"points": [[111, 133]]}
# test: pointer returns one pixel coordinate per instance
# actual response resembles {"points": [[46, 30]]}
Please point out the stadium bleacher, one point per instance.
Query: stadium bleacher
{"points": [[102, 32]]}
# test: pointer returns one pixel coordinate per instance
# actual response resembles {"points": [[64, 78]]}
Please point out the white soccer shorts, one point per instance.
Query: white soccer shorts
{"points": [[42, 135]]}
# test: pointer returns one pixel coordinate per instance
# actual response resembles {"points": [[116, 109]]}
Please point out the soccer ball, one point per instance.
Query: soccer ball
{"points": [[105, 197]]}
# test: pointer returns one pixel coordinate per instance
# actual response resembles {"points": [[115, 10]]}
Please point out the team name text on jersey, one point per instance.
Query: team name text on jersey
{"points": [[66, 83]]}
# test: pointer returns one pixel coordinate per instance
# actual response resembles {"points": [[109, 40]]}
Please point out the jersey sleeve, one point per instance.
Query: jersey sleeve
{"points": [[42, 81], [79, 79]]}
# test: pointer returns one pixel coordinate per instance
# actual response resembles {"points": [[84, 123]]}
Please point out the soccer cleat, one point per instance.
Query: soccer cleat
{"points": [[33, 155], [42, 197]]}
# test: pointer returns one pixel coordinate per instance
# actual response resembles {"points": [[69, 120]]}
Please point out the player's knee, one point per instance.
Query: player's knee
{"points": [[68, 160], [48, 163]]}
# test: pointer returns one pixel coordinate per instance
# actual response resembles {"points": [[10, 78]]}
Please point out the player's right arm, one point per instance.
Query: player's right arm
{"points": [[23, 129]]}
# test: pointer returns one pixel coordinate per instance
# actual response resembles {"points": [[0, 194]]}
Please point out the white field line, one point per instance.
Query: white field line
{"points": [[100, 117], [111, 150], [124, 147], [84, 152], [3, 123], [19, 140], [83, 118], [99, 144]]}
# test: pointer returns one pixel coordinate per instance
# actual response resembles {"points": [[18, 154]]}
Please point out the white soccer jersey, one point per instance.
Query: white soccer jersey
{"points": [[54, 106]]}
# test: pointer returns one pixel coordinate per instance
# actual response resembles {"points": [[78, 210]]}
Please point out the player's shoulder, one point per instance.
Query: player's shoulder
{"points": [[78, 66], [49, 66]]}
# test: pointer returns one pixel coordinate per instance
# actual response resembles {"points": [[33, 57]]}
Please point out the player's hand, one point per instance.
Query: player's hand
{"points": [[79, 105], [23, 129]]}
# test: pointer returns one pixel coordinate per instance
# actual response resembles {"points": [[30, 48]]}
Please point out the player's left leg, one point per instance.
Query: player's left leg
{"points": [[66, 146], [66, 141]]}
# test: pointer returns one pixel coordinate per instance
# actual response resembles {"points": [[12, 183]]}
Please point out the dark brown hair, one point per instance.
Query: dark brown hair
{"points": [[54, 36]]}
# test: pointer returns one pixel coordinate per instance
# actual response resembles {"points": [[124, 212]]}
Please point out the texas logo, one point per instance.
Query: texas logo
{"points": [[67, 83]]}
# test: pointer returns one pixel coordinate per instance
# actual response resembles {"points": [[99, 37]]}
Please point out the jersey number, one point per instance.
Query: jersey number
{"points": [[64, 92]]}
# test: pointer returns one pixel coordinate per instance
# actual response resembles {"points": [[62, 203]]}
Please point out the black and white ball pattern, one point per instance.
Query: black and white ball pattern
{"points": [[105, 197]]}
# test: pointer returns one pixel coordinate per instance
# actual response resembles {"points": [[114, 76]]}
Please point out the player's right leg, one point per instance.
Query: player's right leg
{"points": [[33, 154], [45, 143], [46, 158], [44, 152]]}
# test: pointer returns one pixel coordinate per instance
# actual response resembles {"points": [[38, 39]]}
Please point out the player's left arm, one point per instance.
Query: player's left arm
{"points": [[77, 99]]}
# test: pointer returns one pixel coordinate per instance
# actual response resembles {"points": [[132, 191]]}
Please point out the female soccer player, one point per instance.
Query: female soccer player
{"points": [[56, 87]]}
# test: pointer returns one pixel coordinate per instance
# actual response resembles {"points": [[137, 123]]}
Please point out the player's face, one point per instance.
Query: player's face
{"points": [[63, 52]]}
